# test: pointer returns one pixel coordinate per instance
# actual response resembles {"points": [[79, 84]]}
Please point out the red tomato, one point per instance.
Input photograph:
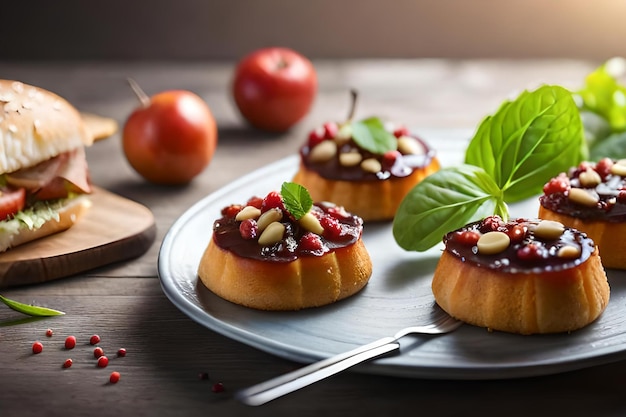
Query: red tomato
{"points": [[11, 201], [171, 138], [274, 88]]}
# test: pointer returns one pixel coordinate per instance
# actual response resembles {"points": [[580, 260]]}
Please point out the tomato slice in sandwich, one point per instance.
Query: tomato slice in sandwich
{"points": [[12, 200]]}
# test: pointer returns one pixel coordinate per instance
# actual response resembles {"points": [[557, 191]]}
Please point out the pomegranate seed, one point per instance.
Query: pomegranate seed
{"points": [[67, 363], [272, 200], [621, 197], [491, 224], [103, 361], [338, 212], [467, 237], [248, 229], [330, 130], [115, 377], [310, 242], [516, 233], [94, 340], [232, 210], [603, 167], [218, 387], [316, 137], [37, 347], [70, 342], [98, 352], [332, 227], [401, 131], [49, 333], [558, 184], [255, 202], [531, 252], [121, 352], [390, 158]]}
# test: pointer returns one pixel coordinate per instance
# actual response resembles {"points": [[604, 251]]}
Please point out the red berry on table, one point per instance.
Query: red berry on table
{"points": [[49, 332], [121, 352], [103, 361], [67, 363], [37, 347], [94, 340], [70, 342], [115, 377], [218, 387], [98, 352]]}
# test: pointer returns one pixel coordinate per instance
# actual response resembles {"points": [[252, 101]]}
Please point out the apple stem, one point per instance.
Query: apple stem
{"points": [[141, 95], [353, 99]]}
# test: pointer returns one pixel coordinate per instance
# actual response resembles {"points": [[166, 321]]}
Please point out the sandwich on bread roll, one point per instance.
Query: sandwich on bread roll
{"points": [[44, 179]]}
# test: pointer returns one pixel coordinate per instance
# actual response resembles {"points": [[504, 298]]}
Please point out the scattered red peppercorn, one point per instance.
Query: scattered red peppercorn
{"points": [[121, 352], [70, 342], [67, 363], [103, 361], [37, 347], [49, 332], [97, 352], [115, 377], [94, 340], [218, 387]]}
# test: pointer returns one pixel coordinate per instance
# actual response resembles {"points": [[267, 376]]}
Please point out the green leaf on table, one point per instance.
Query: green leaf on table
{"points": [[442, 202], [370, 134], [297, 199], [30, 310], [528, 141]]}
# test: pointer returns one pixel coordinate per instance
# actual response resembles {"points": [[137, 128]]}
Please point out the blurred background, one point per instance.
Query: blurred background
{"points": [[226, 30]]}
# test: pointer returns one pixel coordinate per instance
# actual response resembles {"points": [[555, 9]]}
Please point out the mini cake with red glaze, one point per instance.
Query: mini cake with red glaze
{"points": [[368, 182], [523, 276], [265, 256], [592, 198]]}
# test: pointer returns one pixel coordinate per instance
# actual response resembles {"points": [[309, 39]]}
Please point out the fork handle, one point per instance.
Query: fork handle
{"points": [[284, 384]]}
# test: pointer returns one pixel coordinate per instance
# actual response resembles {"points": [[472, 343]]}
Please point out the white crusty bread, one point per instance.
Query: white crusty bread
{"points": [[68, 216], [36, 125]]}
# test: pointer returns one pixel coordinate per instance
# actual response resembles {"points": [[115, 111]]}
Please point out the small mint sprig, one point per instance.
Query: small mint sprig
{"points": [[297, 199], [30, 310], [370, 134]]}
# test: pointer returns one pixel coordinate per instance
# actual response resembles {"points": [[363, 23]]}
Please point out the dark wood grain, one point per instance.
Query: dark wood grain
{"points": [[124, 304]]}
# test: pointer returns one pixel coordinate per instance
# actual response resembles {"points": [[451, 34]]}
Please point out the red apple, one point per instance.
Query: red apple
{"points": [[171, 137], [274, 88]]}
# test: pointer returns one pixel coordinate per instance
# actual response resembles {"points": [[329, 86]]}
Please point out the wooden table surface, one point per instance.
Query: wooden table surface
{"points": [[124, 303]]}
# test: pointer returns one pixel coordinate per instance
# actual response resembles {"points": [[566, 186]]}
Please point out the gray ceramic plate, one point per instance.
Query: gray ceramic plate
{"points": [[397, 295]]}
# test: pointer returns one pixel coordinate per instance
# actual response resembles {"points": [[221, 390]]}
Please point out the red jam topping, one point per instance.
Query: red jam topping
{"points": [[593, 191], [519, 246], [263, 229], [340, 158]]}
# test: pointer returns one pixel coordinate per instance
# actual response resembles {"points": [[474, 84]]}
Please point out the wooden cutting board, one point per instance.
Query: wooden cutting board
{"points": [[114, 229]]}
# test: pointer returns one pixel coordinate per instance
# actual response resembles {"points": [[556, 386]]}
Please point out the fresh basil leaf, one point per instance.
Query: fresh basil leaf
{"points": [[529, 140], [613, 147], [30, 310], [297, 199], [370, 134], [445, 201]]}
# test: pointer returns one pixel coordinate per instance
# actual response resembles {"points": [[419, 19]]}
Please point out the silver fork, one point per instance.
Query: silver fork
{"points": [[284, 384]]}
